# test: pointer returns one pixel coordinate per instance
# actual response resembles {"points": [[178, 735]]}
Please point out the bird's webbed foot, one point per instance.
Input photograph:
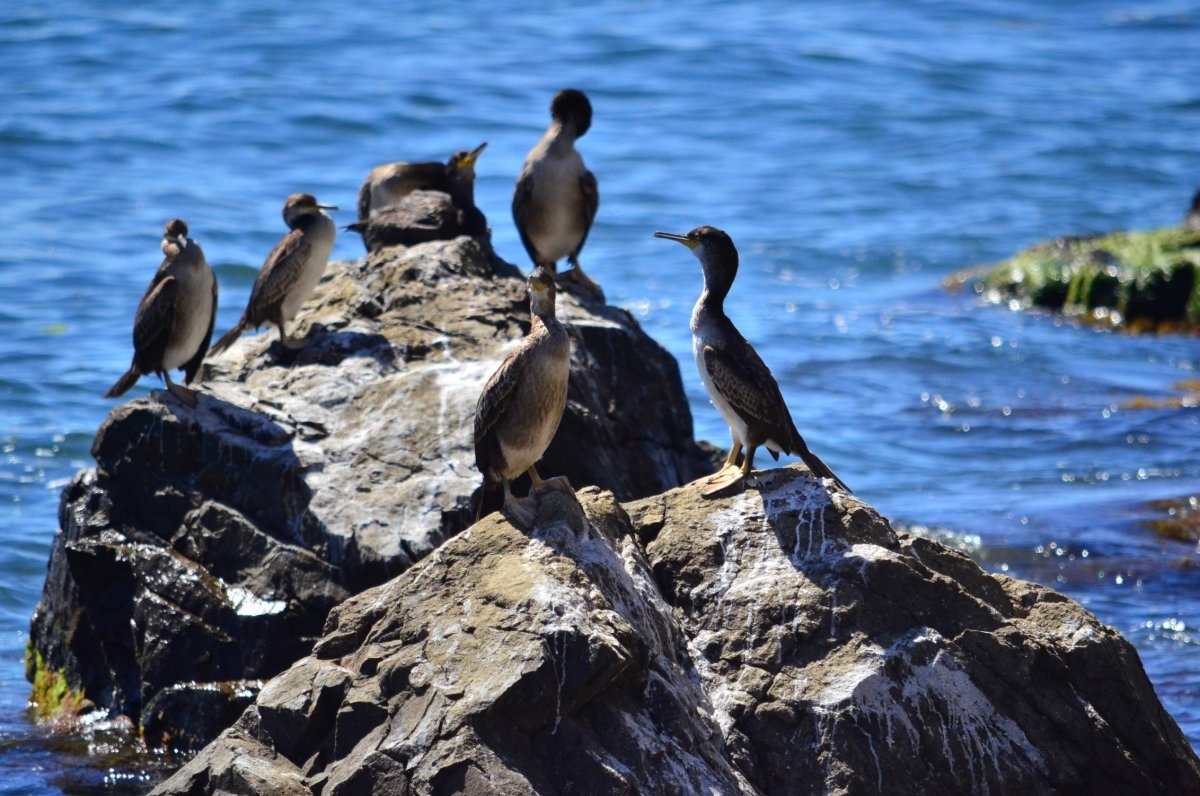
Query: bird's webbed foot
{"points": [[728, 480]]}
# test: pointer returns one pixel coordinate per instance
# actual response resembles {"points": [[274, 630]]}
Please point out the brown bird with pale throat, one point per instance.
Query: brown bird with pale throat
{"points": [[291, 271], [174, 320], [520, 408]]}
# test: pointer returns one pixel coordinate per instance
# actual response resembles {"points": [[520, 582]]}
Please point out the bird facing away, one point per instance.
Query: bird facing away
{"points": [[291, 270], [739, 383], [386, 185], [555, 199], [439, 209], [174, 321], [520, 408]]}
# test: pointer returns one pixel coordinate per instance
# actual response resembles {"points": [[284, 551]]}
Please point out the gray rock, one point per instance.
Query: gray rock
{"points": [[203, 552], [776, 642]]}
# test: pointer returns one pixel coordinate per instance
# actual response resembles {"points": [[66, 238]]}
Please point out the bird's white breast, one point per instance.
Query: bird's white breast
{"points": [[557, 205]]}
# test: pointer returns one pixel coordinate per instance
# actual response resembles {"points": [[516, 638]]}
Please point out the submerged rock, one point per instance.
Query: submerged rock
{"points": [[1139, 281], [203, 552], [779, 642]]}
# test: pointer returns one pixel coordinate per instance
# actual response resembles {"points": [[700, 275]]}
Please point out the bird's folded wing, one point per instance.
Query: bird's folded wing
{"points": [[591, 202], [746, 383], [280, 273], [154, 320], [497, 394]]}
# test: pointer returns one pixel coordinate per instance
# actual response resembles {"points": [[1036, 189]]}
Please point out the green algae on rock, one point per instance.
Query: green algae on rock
{"points": [[51, 699], [1137, 281]]}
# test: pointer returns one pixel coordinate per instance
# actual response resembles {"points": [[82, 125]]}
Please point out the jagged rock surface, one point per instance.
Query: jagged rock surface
{"points": [[777, 642], [203, 552]]}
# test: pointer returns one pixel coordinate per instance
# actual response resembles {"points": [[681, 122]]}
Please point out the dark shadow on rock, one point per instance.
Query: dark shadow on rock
{"points": [[330, 348], [184, 570]]}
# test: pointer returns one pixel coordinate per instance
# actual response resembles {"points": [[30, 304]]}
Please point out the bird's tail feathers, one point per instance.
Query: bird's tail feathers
{"points": [[491, 498], [821, 469], [124, 383], [228, 338]]}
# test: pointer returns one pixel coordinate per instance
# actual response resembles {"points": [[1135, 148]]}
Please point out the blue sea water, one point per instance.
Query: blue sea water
{"points": [[857, 153]]}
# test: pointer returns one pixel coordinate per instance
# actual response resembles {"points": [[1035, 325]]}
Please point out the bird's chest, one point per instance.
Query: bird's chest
{"points": [[540, 399], [193, 314], [557, 218], [715, 395], [309, 276]]}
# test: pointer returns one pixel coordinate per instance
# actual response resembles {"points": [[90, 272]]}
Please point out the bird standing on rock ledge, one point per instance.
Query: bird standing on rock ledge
{"points": [[175, 317], [520, 408], [555, 199], [738, 382], [291, 270]]}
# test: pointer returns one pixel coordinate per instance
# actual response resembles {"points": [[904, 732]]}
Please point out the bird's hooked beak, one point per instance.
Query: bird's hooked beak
{"points": [[326, 207], [468, 162], [691, 243]]}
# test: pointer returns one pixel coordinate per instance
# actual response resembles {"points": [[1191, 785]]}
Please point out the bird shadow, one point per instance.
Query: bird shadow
{"points": [[325, 347]]}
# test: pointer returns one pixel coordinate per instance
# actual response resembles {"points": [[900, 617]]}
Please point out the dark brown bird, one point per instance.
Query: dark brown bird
{"points": [[291, 270], [175, 317], [556, 197], [441, 209], [738, 382], [521, 406]]}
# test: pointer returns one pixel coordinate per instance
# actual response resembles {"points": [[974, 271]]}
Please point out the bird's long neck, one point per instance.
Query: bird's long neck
{"points": [[718, 279], [543, 318], [559, 138], [312, 223], [462, 188]]}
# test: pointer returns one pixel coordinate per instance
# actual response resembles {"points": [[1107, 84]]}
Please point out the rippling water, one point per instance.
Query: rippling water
{"points": [[857, 153]]}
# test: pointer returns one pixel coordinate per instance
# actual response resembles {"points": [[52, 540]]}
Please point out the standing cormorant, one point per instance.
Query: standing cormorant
{"points": [[291, 270], [555, 199], [521, 406], [738, 382], [175, 317]]}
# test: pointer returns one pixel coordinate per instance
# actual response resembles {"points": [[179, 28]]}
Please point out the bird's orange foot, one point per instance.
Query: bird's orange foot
{"points": [[726, 481]]}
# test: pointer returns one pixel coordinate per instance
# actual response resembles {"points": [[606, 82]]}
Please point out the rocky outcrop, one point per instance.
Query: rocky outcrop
{"points": [[1135, 281], [203, 552], [778, 642]]}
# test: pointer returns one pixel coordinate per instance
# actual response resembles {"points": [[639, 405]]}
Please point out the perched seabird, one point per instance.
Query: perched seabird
{"points": [[175, 317], [738, 382], [291, 270], [432, 212], [386, 185], [555, 199], [521, 406]]}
